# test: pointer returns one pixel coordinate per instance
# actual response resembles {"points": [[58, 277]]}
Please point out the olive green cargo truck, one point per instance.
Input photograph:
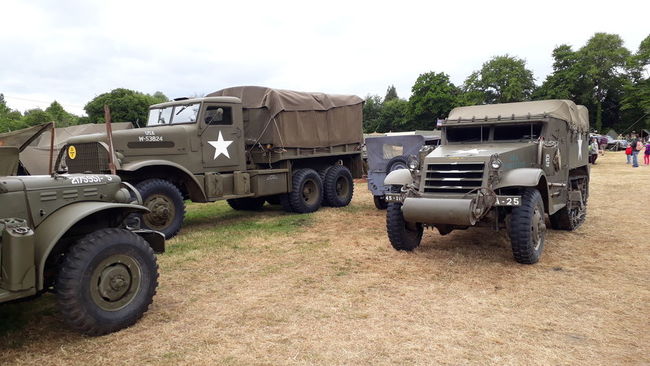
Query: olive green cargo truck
{"points": [[500, 166], [247, 145]]}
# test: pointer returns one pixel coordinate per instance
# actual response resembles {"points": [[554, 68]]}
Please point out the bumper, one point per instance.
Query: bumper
{"points": [[444, 211]]}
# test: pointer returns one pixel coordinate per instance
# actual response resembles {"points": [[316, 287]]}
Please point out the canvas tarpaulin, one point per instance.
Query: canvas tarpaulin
{"points": [[35, 157], [576, 116], [293, 119]]}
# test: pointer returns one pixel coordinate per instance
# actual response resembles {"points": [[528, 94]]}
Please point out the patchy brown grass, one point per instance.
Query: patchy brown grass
{"points": [[327, 288]]}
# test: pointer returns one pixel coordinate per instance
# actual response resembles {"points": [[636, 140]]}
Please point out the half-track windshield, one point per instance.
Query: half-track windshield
{"points": [[494, 132]]}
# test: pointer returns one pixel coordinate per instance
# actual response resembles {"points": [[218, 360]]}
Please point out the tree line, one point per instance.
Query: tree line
{"points": [[126, 106], [610, 80]]}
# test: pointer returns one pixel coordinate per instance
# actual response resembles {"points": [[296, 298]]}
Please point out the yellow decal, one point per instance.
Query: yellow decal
{"points": [[72, 152]]}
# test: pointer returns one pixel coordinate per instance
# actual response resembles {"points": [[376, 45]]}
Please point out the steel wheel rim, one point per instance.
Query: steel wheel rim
{"points": [[342, 187], [310, 192], [537, 228], [162, 211], [115, 282]]}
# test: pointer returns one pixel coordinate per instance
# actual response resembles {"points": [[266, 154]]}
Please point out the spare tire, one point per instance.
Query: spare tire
{"points": [[397, 162]]}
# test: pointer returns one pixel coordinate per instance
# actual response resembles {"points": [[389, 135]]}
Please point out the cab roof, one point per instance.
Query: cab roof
{"points": [[186, 101]]}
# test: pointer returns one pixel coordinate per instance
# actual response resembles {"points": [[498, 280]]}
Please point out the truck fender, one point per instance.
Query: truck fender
{"points": [[194, 187], [522, 177], [55, 226], [526, 177], [399, 177]]}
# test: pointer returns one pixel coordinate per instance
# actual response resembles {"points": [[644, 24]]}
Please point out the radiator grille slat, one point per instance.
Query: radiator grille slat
{"points": [[453, 177], [90, 157]]}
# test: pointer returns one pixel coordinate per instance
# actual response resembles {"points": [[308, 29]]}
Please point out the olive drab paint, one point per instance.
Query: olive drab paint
{"points": [[491, 159]]}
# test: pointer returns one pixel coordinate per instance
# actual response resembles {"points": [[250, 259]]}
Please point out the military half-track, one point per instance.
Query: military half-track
{"points": [[75, 235], [503, 166]]}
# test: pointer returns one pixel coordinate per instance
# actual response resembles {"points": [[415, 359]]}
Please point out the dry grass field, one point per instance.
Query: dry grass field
{"points": [[270, 288]]}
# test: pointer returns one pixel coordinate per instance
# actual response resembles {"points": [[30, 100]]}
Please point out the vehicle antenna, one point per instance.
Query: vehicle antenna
{"points": [[52, 136]]}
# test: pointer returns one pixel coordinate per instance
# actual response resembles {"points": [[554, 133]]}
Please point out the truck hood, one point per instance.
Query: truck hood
{"points": [[161, 140], [479, 151]]}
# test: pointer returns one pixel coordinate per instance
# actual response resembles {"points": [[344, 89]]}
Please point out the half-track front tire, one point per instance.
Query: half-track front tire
{"points": [[166, 203], [527, 229], [247, 203], [401, 234], [106, 281], [338, 186]]}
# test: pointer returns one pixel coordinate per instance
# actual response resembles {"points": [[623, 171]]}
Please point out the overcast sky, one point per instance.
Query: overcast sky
{"points": [[72, 51]]}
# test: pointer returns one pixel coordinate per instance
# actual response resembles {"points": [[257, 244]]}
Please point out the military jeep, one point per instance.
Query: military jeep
{"points": [[75, 235], [501, 166]]}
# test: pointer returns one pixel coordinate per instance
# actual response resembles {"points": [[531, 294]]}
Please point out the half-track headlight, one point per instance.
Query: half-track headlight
{"points": [[495, 162], [413, 162]]}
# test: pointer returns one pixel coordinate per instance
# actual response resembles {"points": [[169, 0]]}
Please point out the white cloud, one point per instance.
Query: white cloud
{"points": [[72, 51]]}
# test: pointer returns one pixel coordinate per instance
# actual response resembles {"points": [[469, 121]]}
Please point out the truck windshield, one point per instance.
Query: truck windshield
{"points": [[173, 114]]}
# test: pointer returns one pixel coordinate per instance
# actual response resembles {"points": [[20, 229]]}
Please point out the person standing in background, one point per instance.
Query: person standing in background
{"points": [[637, 146], [628, 153], [593, 150], [646, 154]]}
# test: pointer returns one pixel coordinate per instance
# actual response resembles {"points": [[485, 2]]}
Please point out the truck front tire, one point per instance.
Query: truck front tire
{"points": [[107, 281], [306, 194], [527, 229], [338, 186], [166, 204], [401, 234]]}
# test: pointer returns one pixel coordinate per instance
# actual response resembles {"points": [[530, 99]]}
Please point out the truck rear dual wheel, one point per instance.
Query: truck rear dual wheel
{"points": [[306, 194], [527, 229], [107, 281], [338, 186], [166, 204], [401, 234], [247, 203]]}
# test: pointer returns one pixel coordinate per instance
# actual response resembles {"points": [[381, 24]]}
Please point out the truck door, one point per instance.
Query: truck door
{"points": [[222, 137]]}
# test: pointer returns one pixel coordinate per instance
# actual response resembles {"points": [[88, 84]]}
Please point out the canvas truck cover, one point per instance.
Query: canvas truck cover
{"points": [[293, 119], [577, 117], [35, 154]]}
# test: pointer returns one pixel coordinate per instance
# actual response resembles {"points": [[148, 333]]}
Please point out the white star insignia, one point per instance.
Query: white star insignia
{"points": [[220, 146]]}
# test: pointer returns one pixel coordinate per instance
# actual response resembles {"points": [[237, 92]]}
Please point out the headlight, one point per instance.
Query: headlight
{"points": [[413, 162], [495, 162]]}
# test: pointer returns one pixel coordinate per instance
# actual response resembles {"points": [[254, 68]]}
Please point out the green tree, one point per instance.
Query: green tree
{"points": [[371, 111], [60, 116], [35, 117], [10, 120], [635, 105], [391, 93], [502, 79], [433, 96], [126, 106], [604, 59], [393, 116]]}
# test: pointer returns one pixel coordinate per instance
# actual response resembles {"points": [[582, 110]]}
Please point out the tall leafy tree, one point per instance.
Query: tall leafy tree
{"points": [[502, 79], [635, 105], [10, 120], [126, 106], [60, 116], [604, 59], [391, 93], [371, 111], [433, 96]]}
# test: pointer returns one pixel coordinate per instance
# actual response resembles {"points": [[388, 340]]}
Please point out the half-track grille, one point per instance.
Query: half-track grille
{"points": [[453, 177], [90, 157]]}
